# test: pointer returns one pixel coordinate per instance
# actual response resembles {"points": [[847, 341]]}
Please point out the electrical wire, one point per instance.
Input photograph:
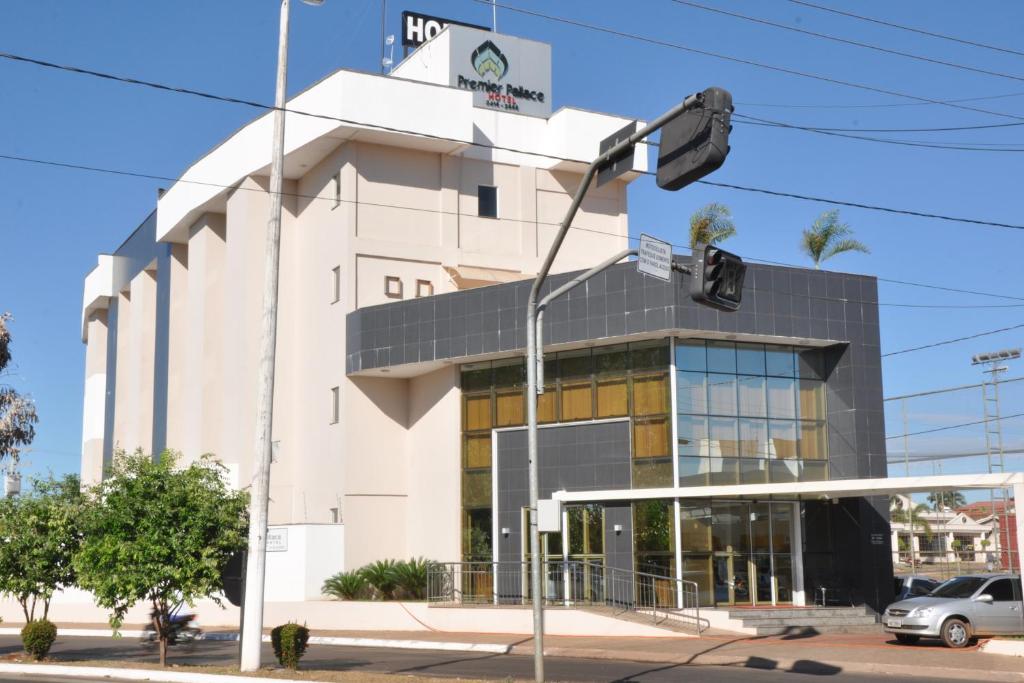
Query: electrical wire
{"points": [[150, 176], [953, 341], [886, 105], [732, 186], [911, 29], [903, 130], [948, 427], [748, 62], [847, 41]]}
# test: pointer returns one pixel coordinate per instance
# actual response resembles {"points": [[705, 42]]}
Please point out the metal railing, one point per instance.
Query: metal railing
{"points": [[571, 583], [954, 561]]}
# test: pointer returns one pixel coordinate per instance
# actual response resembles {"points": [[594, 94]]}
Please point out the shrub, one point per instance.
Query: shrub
{"points": [[412, 577], [346, 586], [38, 636], [383, 577], [289, 641]]}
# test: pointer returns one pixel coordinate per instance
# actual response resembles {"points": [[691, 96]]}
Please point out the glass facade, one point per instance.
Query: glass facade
{"points": [[749, 414], [620, 381]]}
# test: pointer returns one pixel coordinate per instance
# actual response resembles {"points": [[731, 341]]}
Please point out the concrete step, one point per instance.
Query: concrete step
{"points": [[863, 620], [811, 630]]}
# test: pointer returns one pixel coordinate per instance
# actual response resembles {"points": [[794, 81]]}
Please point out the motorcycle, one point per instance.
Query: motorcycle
{"points": [[182, 630]]}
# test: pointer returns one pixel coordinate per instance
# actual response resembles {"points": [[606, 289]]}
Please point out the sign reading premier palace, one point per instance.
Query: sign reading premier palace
{"points": [[506, 73]]}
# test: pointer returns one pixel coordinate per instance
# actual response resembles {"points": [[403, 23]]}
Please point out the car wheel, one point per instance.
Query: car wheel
{"points": [[956, 633], [907, 639]]}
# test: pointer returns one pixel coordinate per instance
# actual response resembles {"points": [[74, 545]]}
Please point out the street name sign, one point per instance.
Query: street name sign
{"points": [[618, 165], [654, 258]]}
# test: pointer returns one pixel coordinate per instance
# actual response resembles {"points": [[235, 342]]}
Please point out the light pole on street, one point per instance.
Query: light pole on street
{"points": [[252, 619]]}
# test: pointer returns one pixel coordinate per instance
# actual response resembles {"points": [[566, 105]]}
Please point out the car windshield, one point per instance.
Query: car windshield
{"points": [[960, 587]]}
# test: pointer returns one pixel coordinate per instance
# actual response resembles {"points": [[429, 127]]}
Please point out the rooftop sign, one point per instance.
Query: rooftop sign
{"points": [[419, 28], [504, 72]]}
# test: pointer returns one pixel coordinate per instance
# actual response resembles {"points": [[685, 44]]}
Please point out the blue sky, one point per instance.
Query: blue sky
{"points": [[53, 222]]}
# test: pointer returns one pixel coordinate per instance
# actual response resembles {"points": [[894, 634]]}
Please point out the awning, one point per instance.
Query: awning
{"points": [[809, 490], [470, 277]]}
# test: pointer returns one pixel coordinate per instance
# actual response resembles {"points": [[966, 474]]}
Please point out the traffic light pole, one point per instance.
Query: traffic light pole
{"points": [[691, 102]]}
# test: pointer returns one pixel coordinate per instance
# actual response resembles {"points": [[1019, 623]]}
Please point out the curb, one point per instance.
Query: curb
{"points": [[782, 664], [446, 646], [1011, 648], [130, 674]]}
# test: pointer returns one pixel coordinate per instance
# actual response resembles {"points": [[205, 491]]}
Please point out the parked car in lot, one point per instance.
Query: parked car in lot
{"points": [[959, 610], [914, 586]]}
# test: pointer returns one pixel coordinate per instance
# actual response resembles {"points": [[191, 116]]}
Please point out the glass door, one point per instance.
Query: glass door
{"points": [[751, 563]]}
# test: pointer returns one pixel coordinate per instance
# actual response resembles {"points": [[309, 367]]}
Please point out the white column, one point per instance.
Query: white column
{"points": [[1018, 496], [679, 554], [797, 544]]}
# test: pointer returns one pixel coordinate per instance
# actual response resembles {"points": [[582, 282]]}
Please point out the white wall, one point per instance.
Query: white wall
{"points": [[314, 553]]}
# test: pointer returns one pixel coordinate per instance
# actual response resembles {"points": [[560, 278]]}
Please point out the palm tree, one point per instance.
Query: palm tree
{"points": [[948, 499], [828, 237], [911, 515], [711, 224]]}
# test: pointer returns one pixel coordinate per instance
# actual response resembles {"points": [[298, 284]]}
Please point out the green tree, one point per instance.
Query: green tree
{"points": [[827, 237], [159, 533], [711, 224], [914, 516], [17, 413], [949, 499], [39, 535]]}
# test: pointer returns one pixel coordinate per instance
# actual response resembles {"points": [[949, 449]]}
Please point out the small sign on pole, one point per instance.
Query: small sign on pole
{"points": [[654, 258], [621, 163]]}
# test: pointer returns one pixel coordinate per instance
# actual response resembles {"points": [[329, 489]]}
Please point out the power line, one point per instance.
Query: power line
{"points": [[956, 426], [233, 100], [903, 130], [749, 62], [953, 341], [902, 27], [886, 105], [151, 176], [753, 121], [847, 41]]}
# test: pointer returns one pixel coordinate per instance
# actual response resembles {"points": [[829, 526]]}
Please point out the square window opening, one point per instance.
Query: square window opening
{"points": [[487, 201]]}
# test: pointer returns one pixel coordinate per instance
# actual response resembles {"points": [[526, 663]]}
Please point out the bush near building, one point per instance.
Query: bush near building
{"points": [[38, 637], [289, 642], [383, 580]]}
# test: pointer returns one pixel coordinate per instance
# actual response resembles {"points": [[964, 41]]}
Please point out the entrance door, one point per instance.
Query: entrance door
{"points": [[732, 579]]}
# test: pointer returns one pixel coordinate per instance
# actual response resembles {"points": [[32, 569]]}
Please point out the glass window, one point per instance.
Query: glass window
{"points": [[691, 356], [650, 438], [724, 471], [574, 364], [509, 374], [650, 473], [784, 471], [724, 441], [476, 488], [476, 538], [478, 450], [753, 471], [695, 519], [693, 471], [760, 524], [478, 412], [511, 408], [781, 397], [782, 439], [811, 399], [487, 201], [752, 396], [750, 359], [721, 357], [691, 392], [649, 356], [753, 438], [813, 470], [731, 530], [650, 395], [780, 361], [612, 398], [653, 526], [610, 360], [692, 434], [722, 394], [812, 441], [576, 402], [782, 531], [547, 405], [476, 377]]}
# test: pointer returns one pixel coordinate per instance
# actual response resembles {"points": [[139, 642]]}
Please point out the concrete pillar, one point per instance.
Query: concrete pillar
{"points": [[797, 544], [94, 404], [1018, 496]]}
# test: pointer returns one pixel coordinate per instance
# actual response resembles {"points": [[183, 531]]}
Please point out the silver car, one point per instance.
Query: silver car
{"points": [[959, 610]]}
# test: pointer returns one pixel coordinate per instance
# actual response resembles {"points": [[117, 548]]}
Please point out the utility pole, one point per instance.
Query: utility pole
{"points": [[252, 623], [693, 164], [994, 432]]}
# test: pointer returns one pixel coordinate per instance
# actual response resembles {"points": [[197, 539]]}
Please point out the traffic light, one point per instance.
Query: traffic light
{"points": [[717, 279], [696, 142]]}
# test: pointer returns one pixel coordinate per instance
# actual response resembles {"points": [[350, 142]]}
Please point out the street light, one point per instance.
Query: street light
{"points": [[252, 605]]}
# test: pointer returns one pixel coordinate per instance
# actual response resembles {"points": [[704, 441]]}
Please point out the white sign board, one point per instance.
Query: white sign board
{"points": [[654, 258], [549, 516], [505, 73], [277, 540]]}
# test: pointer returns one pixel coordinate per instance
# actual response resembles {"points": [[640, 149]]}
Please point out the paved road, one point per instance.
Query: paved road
{"points": [[448, 664]]}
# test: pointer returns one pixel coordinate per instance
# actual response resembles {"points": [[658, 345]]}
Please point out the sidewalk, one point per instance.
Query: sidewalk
{"points": [[825, 654]]}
